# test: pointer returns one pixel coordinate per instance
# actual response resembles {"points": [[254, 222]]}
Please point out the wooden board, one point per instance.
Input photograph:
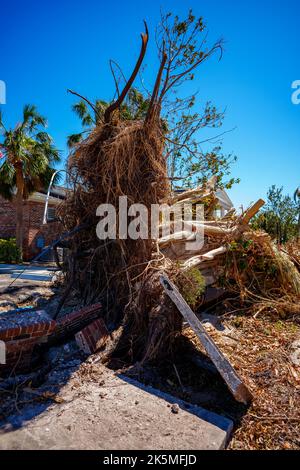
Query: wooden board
{"points": [[233, 381], [252, 211]]}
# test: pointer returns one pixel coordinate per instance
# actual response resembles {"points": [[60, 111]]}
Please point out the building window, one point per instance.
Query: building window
{"points": [[51, 215], [218, 213]]}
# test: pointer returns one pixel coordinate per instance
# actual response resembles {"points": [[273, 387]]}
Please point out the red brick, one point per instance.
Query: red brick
{"points": [[92, 337], [77, 316], [37, 334], [10, 333], [27, 330], [19, 345], [5, 335]]}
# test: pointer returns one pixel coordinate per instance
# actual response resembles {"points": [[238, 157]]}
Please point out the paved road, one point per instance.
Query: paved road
{"points": [[31, 273], [33, 282]]}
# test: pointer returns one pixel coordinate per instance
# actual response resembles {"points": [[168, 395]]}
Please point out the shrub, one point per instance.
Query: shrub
{"points": [[191, 285], [9, 252]]}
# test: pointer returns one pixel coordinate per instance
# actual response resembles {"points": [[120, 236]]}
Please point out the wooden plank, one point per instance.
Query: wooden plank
{"points": [[233, 381], [252, 211], [209, 256]]}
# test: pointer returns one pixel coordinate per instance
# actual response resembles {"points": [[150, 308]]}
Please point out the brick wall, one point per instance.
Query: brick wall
{"points": [[75, 321], [24, 331], [7, 219], [33, 229], [21, 332]]}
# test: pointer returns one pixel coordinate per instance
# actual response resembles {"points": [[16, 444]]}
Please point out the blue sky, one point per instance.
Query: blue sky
{"points": [[47, 47]]}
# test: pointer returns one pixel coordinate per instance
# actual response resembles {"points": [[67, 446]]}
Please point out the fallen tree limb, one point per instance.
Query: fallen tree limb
{"points": [[176, 237], [186, 196], [233, 381], [197, 260], [252, 211]]}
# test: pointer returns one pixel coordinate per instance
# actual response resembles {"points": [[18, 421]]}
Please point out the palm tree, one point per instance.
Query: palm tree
{"points": [[134, 108], [88, 119], [27, 153]]}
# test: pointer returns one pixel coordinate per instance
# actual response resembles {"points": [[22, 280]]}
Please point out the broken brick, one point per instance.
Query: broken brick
{"points": [[92, 337]]}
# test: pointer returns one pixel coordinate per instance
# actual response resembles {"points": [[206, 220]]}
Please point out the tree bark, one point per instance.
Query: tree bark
{"points": [[19, 209]]}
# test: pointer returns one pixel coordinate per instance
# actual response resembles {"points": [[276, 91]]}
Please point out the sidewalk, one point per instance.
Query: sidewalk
{"points": [[31, 272], [116, 413]]}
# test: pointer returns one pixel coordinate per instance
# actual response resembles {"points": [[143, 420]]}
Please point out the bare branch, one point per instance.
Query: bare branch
{"points": [[86, 100], [111, 62], [171, 81], [119, 101], [153, 102]]}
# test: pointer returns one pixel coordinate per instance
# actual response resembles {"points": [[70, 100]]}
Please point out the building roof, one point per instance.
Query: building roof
{"points": [[224, 199], [57, 194], [220, 194]]}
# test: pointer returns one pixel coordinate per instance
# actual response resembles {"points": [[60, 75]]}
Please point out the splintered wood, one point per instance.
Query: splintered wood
{"points": [[217, 234], [233, 381]]}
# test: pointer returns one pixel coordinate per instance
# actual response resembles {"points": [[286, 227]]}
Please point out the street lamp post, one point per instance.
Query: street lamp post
{"points": [[48, 195]]}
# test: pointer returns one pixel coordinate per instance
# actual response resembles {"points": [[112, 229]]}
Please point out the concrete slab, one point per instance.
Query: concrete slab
{"points": [[34, 276], [24, 284], [9, 268], [117, 414], [31, 273]]}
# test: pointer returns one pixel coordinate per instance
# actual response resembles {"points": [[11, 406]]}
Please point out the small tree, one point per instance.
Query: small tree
{"points": [[193, 153], [27, 158], [279, 217]]}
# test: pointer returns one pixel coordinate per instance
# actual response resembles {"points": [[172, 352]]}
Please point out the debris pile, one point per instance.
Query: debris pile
{"points": [[124, 274], [119, 279], [127, 158], [234, 256]]}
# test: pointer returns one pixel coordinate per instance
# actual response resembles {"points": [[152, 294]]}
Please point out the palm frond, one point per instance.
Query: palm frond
{"points": [[101, 107], [7, 191], [87, 121], [34, 150], [1, 120], [80, 109], [7, 180], [32, 119], [74, 139], [7, 173], [43, 137]]}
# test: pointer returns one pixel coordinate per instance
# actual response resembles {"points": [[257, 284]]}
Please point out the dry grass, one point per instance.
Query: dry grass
{"points": [[259, 349]]}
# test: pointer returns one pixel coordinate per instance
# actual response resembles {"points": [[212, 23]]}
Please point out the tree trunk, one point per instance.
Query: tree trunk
{"points": [[19, 209]]}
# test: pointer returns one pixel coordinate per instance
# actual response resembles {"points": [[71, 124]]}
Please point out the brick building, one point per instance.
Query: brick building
{"points": [[36, 235]]}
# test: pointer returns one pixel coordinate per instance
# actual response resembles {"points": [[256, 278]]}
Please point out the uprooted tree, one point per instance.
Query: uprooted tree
{"points": [[190, 160], [125, 157]]}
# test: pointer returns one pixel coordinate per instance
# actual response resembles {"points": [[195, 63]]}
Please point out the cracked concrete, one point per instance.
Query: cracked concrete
{"points": [[102, 410]]}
